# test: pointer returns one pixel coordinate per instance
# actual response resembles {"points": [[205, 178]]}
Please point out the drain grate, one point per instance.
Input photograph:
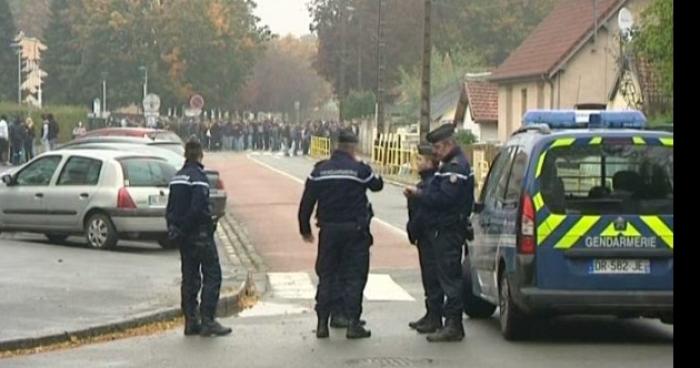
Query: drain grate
{"points": [[389, 362]]}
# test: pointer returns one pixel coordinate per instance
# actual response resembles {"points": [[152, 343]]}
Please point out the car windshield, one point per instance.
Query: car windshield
{"points": [[610, 178]]}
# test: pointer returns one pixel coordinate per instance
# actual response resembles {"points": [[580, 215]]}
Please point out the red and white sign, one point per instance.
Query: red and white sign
{"points": [[197, 102]]}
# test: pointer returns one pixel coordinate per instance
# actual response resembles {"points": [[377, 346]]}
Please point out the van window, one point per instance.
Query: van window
{"points": [[499, 169], [517, 175], [616, 177]]}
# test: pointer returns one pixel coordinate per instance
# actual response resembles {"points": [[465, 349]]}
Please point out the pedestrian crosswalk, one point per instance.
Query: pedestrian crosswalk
{"points": [[298, 285]]}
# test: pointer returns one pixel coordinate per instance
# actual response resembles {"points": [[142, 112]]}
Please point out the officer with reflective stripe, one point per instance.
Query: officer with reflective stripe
{"points": [[451, 196], [190, 225], [338, 189]]}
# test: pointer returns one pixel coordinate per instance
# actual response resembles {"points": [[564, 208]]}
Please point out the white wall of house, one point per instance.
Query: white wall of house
{"points": [[469, 123]]}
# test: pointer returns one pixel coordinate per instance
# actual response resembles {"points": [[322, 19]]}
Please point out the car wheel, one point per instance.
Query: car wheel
{"points": [[166, 243], [514, 323], [100, 232], [474, 306], [56, 238]]}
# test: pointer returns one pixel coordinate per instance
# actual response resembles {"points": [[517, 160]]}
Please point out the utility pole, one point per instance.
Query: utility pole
{"points": [[380, 71], [343, 55], [425, 80]]}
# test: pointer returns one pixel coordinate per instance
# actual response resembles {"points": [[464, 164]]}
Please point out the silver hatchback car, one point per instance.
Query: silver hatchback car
{"points": [[105, 195]]}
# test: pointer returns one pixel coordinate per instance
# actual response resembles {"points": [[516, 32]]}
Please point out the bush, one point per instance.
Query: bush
{"points": [[465, 137], [66, 116]]}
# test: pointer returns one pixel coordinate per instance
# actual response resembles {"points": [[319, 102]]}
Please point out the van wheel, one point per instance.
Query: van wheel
{"points": [[56, 238], [474, 306], [514, 323], [100, 232]]}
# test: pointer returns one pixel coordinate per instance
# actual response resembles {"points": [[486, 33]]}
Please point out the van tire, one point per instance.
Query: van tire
{"points": [[515, 325], [474, 306]]}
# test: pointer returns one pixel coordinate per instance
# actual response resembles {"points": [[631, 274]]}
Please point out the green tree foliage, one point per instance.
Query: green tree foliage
{"points": [[8, 58], [486, 29], [655, 40], [207, 47], [359, 104]]}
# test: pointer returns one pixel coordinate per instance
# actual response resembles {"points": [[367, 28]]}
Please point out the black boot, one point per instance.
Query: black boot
{"points": [[213, 328], [453, 331], [340, 321], [322, 327], [430, 324], [192, 326], [356, 331], [418, 322]]}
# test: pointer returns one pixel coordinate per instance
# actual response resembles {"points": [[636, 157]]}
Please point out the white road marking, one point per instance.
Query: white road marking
{"points": [[291, 285], [297, 180], [383, 288], [298, 285], [266, 309]]}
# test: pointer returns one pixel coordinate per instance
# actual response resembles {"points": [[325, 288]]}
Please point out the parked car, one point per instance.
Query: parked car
{"points": [[152, 134], [105, 195], [217, 193], [176, 147]]}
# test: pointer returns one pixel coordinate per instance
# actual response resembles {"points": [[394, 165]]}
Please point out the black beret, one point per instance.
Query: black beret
{"points": [[441, 133], [347, 136]]}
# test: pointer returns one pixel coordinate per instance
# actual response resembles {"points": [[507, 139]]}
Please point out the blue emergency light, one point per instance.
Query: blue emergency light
{"points": [[567, 119], [629, 119]]}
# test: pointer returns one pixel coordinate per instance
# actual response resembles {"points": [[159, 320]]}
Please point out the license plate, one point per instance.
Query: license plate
{"points": [[620, 266], [157, 201]]}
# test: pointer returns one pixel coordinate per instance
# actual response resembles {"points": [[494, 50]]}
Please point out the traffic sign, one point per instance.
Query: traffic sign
{"points": [[197, 102]]}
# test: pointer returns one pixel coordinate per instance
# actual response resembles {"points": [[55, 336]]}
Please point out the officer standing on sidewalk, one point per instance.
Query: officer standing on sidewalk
{"points": [[451, 196], [418, 216], [339, 186], [191, 226]]}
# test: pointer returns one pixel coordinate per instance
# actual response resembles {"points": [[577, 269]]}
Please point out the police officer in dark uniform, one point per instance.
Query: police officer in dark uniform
{"points": [[191, 226], [339, 186], [418, 216], [451, 195]]}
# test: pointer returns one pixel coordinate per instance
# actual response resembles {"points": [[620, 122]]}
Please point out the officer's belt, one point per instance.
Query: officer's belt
{"points": [[350, 225]]}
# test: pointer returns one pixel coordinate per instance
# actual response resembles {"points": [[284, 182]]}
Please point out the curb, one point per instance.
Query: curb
{"points": [[229, 303]]}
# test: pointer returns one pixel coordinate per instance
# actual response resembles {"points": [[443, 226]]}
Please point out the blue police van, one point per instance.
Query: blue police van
{"points": [[574, 218]]}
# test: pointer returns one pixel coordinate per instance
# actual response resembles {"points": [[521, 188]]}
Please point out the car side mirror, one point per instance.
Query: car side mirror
{"points": [[478, 207], [8, 180]]}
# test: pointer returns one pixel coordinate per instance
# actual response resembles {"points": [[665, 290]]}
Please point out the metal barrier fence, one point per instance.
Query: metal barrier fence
{"points": [[396, 154], [320, 147]]}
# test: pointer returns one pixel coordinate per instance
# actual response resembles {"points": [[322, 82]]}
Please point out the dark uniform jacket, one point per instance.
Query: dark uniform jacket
{"points": [[339, 185], [417, 214], [188, 204], [451, 192]]}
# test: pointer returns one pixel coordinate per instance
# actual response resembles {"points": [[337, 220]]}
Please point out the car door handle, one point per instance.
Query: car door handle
{"points": [[84, 195], [39, 195]]}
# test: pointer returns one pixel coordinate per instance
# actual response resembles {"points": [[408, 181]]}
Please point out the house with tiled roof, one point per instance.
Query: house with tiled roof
{"points": [[477, 110], [571, 58]]}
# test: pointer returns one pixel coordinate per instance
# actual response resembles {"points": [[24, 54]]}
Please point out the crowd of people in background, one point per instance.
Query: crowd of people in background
{"points": [[18, 138], [273, 136]]}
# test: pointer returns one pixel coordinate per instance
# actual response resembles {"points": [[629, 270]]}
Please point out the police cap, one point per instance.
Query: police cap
{"points": [[441, 133], [425, 150], [347, 136]]}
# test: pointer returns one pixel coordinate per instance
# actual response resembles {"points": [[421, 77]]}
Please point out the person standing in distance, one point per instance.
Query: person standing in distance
{"points": [[191, 227], [339, 187], [451, 196]]}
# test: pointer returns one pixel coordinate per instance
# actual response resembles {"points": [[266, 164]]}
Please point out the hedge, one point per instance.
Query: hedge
{"points": [[66, 116]]}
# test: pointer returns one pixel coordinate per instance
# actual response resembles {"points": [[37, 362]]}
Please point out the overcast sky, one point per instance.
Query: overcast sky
{"points": [[285, 16]]}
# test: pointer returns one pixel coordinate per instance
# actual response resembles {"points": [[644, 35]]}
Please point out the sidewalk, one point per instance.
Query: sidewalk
{"points": [[56, 293]]}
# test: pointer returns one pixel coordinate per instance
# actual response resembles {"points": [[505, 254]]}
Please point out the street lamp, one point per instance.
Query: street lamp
{"points": [[18, 46], [145, 81], [104, 93]]}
